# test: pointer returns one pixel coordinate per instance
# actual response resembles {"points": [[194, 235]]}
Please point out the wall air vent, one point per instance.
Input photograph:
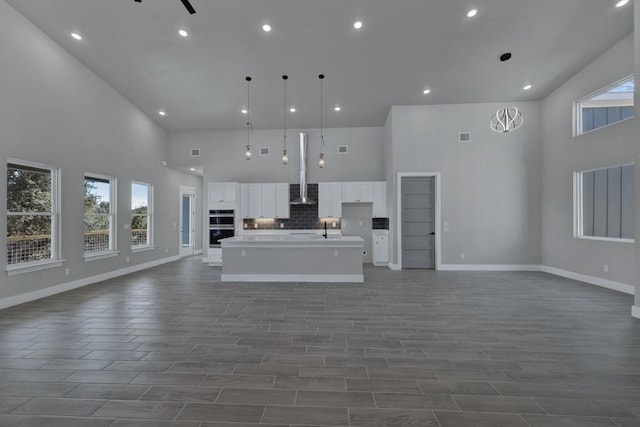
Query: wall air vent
{"points": [[343, 149], [464, 137], [195, 152], [264, 151]]}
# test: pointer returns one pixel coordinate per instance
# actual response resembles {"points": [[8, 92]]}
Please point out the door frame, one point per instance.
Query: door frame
{"points": [[438, 203], [191, 250]]}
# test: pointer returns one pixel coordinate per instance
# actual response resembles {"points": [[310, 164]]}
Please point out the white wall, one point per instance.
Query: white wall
{"points": [[222, 155], [490, 186], [563, 154], [55, 111], [636, 131]]}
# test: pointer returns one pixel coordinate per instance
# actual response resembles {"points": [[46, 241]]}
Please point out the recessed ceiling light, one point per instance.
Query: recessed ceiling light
{"points": [[162, 113], [244, 111], [266, 28], [426, 91], [192, 169], [622, 3], [337, 108], [76, 36], [292, 109], [357, 25], [527, 87], [183, 33], [472, 13]]}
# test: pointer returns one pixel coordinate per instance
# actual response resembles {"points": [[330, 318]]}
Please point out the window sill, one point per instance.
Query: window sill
{"points": [[606, 239], [100, 255], [135, 249], [29, 267]]}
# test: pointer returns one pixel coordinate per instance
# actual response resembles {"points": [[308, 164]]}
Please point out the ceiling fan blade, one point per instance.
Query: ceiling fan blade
{"points": [[188, 6]]}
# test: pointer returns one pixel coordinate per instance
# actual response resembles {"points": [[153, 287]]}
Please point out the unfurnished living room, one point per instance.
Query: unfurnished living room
{"points": [[299, 213]]}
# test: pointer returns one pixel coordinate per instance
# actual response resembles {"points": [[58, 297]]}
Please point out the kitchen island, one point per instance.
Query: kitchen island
{"points": [[292, 258]]}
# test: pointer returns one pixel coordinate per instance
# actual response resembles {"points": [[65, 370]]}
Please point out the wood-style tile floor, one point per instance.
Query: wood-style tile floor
{"points": [[172, 346]]}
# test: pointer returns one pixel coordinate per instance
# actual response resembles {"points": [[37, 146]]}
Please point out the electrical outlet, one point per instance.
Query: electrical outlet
{"points": [[243, 252], [255, 225], [282, 225], [446, 227], [166, 250], [606, 268], [334, 225], [461, 255], [128, 259], [67, 271], [336, 253]]}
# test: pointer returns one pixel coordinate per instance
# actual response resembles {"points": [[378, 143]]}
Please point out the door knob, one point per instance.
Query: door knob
{"points": [[433, 233]]}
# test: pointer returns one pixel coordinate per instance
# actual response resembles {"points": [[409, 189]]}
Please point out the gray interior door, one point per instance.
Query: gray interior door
{"points": [[418, 222]]}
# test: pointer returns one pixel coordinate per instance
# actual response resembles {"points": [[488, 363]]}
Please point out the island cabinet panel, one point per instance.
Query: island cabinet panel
{"points": [[268, 200], [329, 200], [222, 195], [380, 200], [357, 192]]}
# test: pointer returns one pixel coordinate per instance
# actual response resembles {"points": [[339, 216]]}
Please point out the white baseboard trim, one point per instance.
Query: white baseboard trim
{"points": [[333, 278], [63, 287], [489, 267], [198, 252], [604, 283], [394, 266], [635, 311]]}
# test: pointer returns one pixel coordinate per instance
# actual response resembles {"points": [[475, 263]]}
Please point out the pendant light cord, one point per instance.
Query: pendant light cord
{"points": [[248, 114], [284, 140], [321, 76]]}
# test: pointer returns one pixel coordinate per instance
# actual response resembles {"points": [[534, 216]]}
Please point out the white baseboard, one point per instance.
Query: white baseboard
{"points": [[394, 266], [63, 287], [604, 283], [332, 278], [635, 311], [489, 267], [198, 252]]}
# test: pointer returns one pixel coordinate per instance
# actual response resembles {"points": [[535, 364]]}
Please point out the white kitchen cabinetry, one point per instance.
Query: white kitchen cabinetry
{"points": [[264, 201], [379, 199], [357, 192], [329, 200], [282, 200], [222, 195], [380, 247]]}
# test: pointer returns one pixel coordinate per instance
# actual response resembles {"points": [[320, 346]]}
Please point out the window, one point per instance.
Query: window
{"points": [[99, 215], [141, 215], [609, 105], [32, 214], [604, 203]]}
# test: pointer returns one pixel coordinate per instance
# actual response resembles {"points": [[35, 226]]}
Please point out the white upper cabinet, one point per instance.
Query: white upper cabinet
{"points": [[282, 200], [222, 194], [379, 199], [264, 201], [329, 200], [357, 192]]}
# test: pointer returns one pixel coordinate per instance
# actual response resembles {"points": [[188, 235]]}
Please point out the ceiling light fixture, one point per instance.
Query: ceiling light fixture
{"points": [[426, 91], [321, 159], [244, 111], [76, 36], [266, 28], [337, 108], [527, 87], [292, 110], [162, 113], [183, 33], [192, 169], [622, 3], [506, 120], [247, 152], [358, 25], [285, 158], [472, 13]]}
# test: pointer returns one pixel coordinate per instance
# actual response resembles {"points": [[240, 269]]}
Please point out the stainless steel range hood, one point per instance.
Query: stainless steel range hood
{"points": [[302, 199]]}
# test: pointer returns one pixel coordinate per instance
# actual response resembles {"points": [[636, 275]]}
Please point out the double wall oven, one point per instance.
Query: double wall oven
{"points": [[221, 226]]}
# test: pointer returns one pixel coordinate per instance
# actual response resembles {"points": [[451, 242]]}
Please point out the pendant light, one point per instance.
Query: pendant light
{"points": [[321, 160], [247, 153], [285, 158]]}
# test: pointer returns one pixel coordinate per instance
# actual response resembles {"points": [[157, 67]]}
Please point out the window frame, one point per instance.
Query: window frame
{"points": [[577, 107], [56, 248], [150, 220], [578, 204], [113, 219]]}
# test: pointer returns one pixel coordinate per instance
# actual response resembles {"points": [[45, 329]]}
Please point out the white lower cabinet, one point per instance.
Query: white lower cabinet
{"points": [[380, 247], [215, 256]]}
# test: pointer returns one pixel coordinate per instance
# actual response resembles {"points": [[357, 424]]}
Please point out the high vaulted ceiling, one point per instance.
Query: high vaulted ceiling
{"points": [[403, 47]]}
